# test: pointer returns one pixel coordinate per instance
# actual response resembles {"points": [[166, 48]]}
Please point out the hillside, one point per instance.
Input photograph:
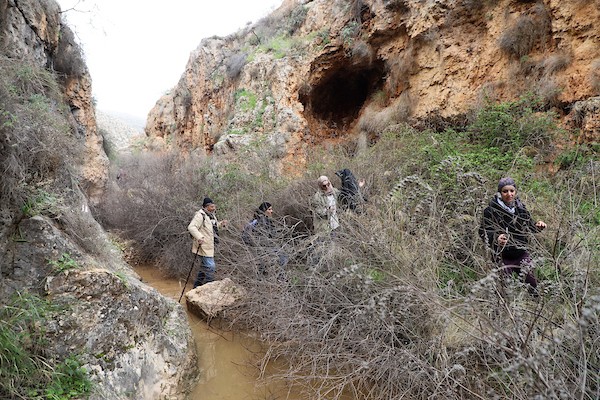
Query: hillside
{"points": [[316, 72], [429, 103], [119, 132]]}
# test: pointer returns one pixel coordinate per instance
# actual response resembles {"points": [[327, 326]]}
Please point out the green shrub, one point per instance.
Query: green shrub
{"points": [[64, 263], [512, 125], [575, 157], [245, 100], [279, 46], [41, 203], [349, 33], [296, 18], [70, 381], [25, 369]]}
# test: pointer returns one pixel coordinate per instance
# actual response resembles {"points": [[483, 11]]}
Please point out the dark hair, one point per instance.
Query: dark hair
{"points": [[206, 201], [264, 206]]}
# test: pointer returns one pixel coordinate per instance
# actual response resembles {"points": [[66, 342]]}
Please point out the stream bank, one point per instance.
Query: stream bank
{"points": [[226, 359]]}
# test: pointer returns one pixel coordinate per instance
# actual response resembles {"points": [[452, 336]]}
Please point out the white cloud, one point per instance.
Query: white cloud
{"points": [[136, 50]]}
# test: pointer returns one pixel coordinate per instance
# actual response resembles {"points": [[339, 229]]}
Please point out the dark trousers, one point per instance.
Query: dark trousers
{"points": [[520, 265]]}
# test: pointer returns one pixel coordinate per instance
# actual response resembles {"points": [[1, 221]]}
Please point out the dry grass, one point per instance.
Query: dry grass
{"points": [[68, 58], [401, 68], [540, 76], [526, 32], [36, 142], [374, 121], [234, 64], [403, 302]]}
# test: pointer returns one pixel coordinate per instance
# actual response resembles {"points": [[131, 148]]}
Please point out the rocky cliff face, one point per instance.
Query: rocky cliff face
{"points": [[134, 342], [118, 134], [316, 71], [32, 31]]}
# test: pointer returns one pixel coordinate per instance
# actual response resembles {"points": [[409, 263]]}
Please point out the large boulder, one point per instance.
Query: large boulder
{"points": [[210, 300], [133, 339]]}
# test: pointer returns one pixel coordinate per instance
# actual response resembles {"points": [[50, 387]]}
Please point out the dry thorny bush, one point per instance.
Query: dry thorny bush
{"points": [[36, 142], [404, 301], [40, 149], [364, 315]]}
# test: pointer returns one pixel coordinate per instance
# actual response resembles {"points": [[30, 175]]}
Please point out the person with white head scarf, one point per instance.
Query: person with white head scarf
{"points": [[324, 207]]}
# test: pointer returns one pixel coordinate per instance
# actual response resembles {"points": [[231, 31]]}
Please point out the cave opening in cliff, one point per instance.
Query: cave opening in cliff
{"points": [[338, 97]]}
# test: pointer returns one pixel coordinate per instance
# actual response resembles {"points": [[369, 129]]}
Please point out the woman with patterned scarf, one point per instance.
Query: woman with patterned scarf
{"points": [[505, 229]]}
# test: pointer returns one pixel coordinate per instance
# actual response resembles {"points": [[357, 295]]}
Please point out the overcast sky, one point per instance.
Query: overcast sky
{"points": [[136, 50]]}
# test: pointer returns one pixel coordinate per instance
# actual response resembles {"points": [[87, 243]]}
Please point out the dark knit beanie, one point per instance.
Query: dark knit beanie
{"points": [[264, 206], [505, 182], [206, 201]]}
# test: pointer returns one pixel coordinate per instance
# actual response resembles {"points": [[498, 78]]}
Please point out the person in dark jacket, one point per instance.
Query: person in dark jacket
{"points": [[350, 195], [261, 234], [505, 228], [261, 228]]}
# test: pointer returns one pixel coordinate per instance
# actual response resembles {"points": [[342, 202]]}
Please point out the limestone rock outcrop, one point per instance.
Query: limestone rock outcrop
{"points": [[31, 30], [129, 337], [134, 342], [318, 71]]}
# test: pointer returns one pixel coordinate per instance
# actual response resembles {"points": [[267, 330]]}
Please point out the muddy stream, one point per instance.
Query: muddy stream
{"points": [[224, 358]]}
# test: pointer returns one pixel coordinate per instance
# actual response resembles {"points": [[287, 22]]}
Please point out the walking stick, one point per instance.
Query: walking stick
{"points": [[188, 277]]}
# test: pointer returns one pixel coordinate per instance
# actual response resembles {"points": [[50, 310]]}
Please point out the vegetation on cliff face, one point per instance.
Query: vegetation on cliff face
{"points": [[405, 300], [37, 153], [75, 320]]}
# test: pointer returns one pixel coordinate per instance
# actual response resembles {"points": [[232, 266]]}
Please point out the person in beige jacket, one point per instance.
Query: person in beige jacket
{"points": [[204, 228]]}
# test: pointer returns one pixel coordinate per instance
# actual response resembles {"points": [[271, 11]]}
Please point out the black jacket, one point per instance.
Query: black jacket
{"points": [[350, 195], [260, 231], [518, 226]]}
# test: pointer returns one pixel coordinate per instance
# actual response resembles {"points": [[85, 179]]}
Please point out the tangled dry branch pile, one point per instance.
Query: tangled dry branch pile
{"points": [[404, 301]]}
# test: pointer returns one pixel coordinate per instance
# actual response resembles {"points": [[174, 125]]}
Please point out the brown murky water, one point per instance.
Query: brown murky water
{"points": [[225, 358]]}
